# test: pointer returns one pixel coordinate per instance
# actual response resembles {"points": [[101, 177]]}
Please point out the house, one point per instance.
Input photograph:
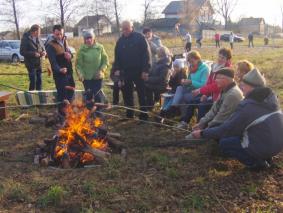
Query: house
{"points": [[99, 23], [255, 25], [200, 11], [193, 14]]}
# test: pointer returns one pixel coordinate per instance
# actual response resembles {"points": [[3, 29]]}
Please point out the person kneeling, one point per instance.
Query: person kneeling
{"points": [[253, 134]]}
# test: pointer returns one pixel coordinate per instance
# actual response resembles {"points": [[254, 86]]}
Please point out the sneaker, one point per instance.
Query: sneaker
{"points": [[182, 125]]}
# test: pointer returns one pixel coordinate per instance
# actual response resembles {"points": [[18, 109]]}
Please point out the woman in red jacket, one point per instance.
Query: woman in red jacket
{"points": [[210, 91]]}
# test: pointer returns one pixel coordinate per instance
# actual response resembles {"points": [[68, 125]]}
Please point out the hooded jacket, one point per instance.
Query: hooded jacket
{"points": [[90, 60], [159, 75], [265, 138], [28, 49]]}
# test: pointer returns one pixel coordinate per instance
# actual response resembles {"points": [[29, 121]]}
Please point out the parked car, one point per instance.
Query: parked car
{"points": [[10, 51], [237, 38]]}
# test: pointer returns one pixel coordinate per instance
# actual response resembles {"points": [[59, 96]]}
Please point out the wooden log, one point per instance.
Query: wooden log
{"points": [[114, 134], [99, 154]]}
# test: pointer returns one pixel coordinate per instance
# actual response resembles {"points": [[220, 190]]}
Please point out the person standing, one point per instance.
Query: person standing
{"points": [[33, 51], [231, 40], [59, 56], [251, 39], [91, 64], [154, 42], [199, 38], [217, 39], [188, 40], [133, 58]]}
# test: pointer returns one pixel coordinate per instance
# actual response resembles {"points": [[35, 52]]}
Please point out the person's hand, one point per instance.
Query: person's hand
{"points": [[203, 98], [117, 73], [197, 134], [99, 74], [67, 56], [37, 54], [195, 92], [43, 54], [63, 70], [196, 127], [144, 75], [185, 82]]}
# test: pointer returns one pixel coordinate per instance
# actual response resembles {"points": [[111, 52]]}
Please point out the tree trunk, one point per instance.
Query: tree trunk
{"points": [[117, 16], [16, 19], [62, 13]]}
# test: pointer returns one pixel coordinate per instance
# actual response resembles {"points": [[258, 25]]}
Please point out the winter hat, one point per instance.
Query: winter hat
{"points": [[227, 72], [254, 78], [88, 34], [179, 63]]}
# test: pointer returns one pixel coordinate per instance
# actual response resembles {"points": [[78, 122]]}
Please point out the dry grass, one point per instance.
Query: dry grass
{"points": [[195, 179]]}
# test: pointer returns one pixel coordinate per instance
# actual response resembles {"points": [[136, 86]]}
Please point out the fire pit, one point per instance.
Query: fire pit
{"points": [[81, 140]]}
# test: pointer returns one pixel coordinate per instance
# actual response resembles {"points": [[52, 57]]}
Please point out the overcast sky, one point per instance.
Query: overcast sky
{"points": [[132, 9]]}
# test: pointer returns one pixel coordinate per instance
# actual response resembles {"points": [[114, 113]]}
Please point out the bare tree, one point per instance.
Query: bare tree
{"points": [[10, 14], [148, 10], [282, 18], [64, 9], [117, 14], [225, 8]]}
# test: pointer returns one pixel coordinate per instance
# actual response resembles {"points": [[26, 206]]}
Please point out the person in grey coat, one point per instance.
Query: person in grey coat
{"points": [[154, 43], [156, 82], [253, 134]]}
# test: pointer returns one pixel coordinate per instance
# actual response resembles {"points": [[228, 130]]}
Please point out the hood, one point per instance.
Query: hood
{"points": [[26, 35], [265, 97]]}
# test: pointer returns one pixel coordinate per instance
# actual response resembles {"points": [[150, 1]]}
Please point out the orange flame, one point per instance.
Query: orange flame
{"points": [[79, 122]]}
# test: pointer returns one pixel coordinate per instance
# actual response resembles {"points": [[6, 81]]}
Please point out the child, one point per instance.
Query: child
{"points": [[179, 73]]}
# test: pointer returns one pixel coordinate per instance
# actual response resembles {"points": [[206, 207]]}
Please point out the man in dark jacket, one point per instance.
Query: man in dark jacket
{"points": [[33, 50], [253, 134], [132, 56], [60, 59]]}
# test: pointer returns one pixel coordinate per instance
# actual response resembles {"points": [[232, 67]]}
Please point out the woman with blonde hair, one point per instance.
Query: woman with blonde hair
{"points": [[242, 68]]}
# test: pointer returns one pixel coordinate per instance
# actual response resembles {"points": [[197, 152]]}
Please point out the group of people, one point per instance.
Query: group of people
{"points": [[245, 119]]}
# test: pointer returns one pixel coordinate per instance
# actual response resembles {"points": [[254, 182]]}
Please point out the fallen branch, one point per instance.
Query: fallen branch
{"points": [[180, 143]]}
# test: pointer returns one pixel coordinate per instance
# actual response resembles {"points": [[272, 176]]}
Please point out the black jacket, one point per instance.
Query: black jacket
{"points": [[132, 55], [159, 75], [28, 49], [175, 80]]}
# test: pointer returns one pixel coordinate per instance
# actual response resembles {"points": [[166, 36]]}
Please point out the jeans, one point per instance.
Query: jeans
{"points": [[232, 147], [128, 96], [35, 81], [203, 108], [182, 95], [92, 89], [116, 90]]}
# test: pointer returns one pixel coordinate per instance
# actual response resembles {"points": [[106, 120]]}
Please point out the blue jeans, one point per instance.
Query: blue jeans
{"points": [[35, 81], [92, 89], [182, 95], [232, 147]]}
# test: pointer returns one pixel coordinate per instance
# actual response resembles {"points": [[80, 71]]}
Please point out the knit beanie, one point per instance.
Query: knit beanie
{"points": [[179, 63], [227, 72], [88, 34], [254, 78]]}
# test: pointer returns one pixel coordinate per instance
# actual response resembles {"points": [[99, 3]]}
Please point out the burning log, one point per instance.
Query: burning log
{"points": [[100, 155]]}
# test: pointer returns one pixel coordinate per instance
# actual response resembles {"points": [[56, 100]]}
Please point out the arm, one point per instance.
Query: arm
{"points": [[145, 55], [209, 116], [228, 106], [116, 63], [209, 89], [235, 126], [24, 49], [52, 59]]}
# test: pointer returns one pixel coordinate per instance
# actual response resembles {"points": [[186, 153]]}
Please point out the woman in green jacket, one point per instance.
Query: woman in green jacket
{"points": [[91, 64]]}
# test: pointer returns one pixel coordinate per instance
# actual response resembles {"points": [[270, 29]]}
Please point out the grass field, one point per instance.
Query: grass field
{"points": [[192, 179]]}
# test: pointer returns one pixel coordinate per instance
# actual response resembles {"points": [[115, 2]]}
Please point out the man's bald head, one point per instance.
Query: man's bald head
{"points": [[127, 27]]}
